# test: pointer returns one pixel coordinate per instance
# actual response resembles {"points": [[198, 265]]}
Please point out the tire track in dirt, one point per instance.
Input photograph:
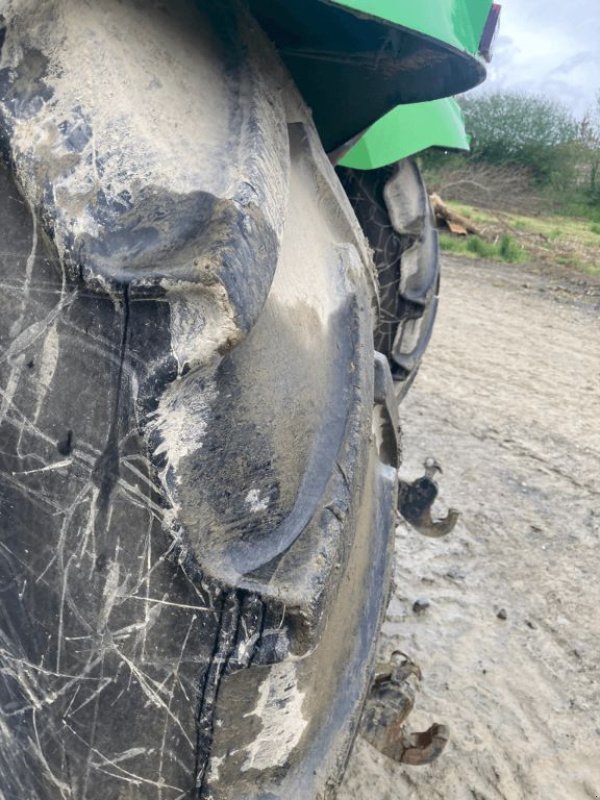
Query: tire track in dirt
{"points": [[508, 401]]}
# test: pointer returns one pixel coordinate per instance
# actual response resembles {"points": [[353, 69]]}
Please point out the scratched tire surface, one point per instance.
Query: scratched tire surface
{"points": [[195, 516]]}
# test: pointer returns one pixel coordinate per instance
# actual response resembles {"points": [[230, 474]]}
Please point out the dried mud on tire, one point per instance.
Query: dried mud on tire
{"points": [[197, 480], [508, 400]]}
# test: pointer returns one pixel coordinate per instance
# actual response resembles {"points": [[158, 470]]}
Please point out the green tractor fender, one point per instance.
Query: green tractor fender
{"points": [[407, 130], [457, 23], [355, 61], [412, 128]]}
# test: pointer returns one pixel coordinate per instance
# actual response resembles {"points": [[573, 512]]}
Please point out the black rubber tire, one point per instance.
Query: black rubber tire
{"points": [[393, 209], [198, 453]]}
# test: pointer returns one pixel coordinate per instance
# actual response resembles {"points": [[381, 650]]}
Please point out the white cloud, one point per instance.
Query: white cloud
{"points": [[549, 47]]}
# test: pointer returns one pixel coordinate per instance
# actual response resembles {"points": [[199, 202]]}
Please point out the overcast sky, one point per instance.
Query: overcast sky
{"points": [[549, 47]]}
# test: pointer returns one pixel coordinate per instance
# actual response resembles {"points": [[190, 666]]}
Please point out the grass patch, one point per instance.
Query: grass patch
{"points": [[506, 249], [480, 215], [480, 248], [588, 211], [455, 244], [522, 225], [511, 251], [572, 262], [562, 240]]}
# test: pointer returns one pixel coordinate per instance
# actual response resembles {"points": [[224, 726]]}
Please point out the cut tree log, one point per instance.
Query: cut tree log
{"points": [[455, 223]]}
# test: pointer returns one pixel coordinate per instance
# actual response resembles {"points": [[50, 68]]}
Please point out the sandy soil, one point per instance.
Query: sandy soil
{"points": [[508, 401]]}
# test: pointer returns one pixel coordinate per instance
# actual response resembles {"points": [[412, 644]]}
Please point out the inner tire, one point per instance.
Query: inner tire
{"points": [[392, 206]]}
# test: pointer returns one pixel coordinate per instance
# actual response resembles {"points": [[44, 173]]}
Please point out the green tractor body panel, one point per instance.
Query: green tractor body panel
{"points": [[354, 61], [411, 128], [407, 130], [458, 23]]}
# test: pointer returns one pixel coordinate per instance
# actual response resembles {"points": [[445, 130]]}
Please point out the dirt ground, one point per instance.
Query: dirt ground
{"points": [[508, 401]]}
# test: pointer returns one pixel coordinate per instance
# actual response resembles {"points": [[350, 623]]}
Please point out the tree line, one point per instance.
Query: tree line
{"points": [[559, 152]]}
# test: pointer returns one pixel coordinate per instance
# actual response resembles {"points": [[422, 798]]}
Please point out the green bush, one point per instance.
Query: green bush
{"points": [[510, 250], [451, 244], [525, 130], [480, 248], [507, 249]]}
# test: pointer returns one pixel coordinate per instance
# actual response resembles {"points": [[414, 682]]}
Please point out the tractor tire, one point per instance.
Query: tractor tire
{"points": [[393, 209], [198, 441]]}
